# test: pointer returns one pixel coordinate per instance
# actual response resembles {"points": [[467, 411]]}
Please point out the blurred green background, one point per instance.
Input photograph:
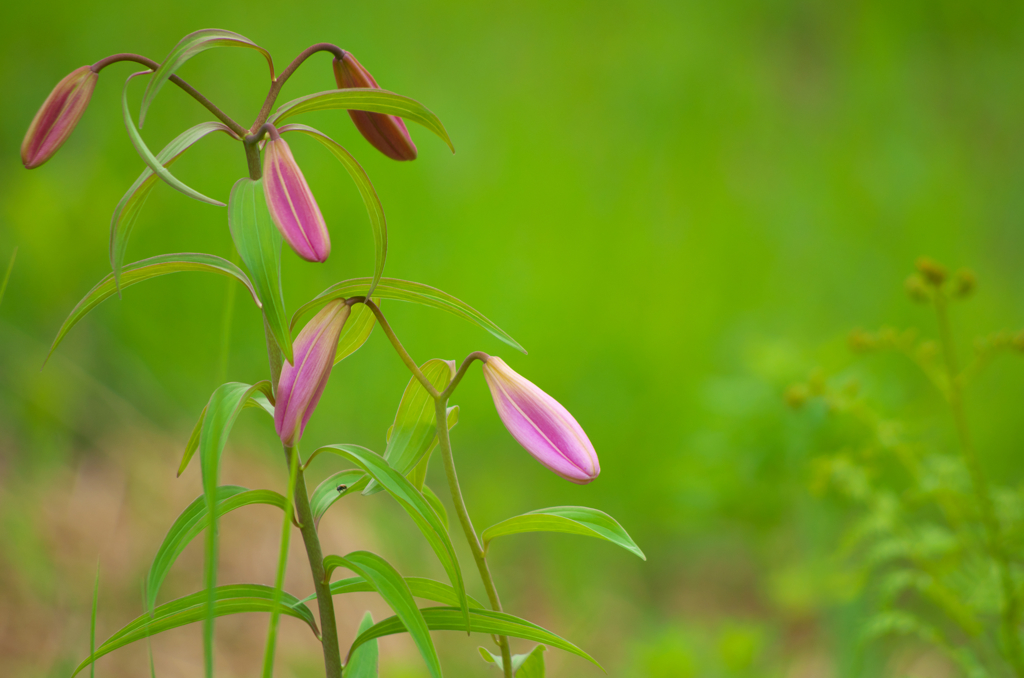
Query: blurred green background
{"points": [[677, 207]]}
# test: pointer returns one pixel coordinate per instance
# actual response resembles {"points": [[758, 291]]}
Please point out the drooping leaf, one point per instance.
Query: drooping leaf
{"points": [[189, 46], [363, 662], [409, 498], [366, 190], [435, 503], [392, 587], [403, 290], [147, 155], [356, 331], [144, 270], [192, 521], [258, 242], [568, 519], [258, 400], [364, 99], [418, 475], [429, 589], [483, 621], [328, 492], [230, 599], [127, 211]]}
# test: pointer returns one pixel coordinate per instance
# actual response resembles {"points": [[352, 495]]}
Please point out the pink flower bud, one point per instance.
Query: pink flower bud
{"points": [[303, 382], [291, 203], [541, 425], [386, 132], [58, 116]]}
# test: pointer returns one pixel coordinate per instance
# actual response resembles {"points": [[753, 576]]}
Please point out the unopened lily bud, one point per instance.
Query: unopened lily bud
{"points": [[303, 381], [58, 116], [387, 133], [540, 424], [291, 203]]}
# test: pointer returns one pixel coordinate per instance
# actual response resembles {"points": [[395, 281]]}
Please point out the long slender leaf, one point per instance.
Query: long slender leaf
{"points": [[418, 475], [189, 46], [334, 488], [366, 190], [231, 599], [439, 592], [568, 519], [404, 290], [192, 521], [144, 270], [258, 242], [127, 211], [259, 400], [523, 665], [409, 498], [356, 331], [147, 155], [282, 565], [386, 580], [364, 99], [484, 621], [363, 662]]}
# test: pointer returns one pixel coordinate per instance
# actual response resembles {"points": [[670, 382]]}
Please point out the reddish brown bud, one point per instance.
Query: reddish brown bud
{"points": [[58, 116], [387, 133]]}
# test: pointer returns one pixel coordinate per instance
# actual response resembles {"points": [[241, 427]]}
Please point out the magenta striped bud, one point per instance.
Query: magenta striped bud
{"points": [[387, 133], [302, 383], [291, 203], [540, 424], [58, 116]]}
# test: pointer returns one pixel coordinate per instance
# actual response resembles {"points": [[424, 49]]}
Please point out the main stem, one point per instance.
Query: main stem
{"points": [[324, 601], [441, 408], [1011, 606]]}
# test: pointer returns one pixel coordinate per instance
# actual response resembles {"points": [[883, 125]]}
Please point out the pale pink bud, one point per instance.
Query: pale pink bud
{"points": [[291, 203], [58, 116], [387, 133], [540, 424], [302, 383]]}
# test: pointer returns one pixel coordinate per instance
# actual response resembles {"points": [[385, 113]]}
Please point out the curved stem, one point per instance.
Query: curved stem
{"points": [[275, 87], [406, 358], [189, 89], [440, 409], [475, 355]]}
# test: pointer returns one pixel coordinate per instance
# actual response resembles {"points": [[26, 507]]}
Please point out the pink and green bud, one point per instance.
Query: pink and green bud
{"points": [[540, 424], [58, 116], [291, 203], [302, 383], [387, 133]]}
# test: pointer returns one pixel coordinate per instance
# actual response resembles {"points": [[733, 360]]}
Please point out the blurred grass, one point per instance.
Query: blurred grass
{"points": [[677, 207]]}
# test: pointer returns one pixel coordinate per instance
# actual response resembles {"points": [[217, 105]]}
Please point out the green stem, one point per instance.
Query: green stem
{"points": [[1011, 607], [324, 601], [441, 409], [274, 355], [282, 563], [406, 358]]}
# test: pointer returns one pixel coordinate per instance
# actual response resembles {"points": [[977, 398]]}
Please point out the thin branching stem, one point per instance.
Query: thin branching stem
{"points": [[475, 355], [275, 87], [406, 358]]}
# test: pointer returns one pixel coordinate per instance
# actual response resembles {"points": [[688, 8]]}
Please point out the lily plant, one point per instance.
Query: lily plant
{"points": [[273, 205]]}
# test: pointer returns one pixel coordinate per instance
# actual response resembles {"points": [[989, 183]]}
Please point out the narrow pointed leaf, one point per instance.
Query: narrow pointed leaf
{"points": [[356, 331], [363, 662], [418, 475], [231, 599], [258, 242], [533, 664], [192, 521], [189, 46], [364, 99], [403, 290], [127, 211], [144, 270], [327, 492], [568, 519], [392, 587], [435, 503], [366, 190], [409, 498], [429, 589], [259, 400], [147, 155], [484, 621]]}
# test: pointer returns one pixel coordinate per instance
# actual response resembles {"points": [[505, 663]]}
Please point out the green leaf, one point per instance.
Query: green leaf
{"points": [[144, 270], [569, 519], [418, 475], [356, 331], [92, 620], [523, 665], [189, 46], [483, 621], [364, 99], [366, 190], [429, 589], [231, 599], [221, 412], [7, 274], [192, 521], [270, 648], [435, 503], [258, 242], [258, 400], [392, 587], [127, 211], [363, 662], [414, 428], [415, 505], [403, 290], [147, 155], [327, 492]]}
